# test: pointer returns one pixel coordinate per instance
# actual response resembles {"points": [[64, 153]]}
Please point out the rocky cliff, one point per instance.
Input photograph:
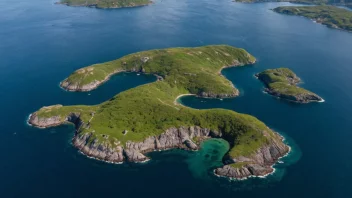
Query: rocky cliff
{"points": [[70, 85], [300, 98], [257, 164], [134, 151]]}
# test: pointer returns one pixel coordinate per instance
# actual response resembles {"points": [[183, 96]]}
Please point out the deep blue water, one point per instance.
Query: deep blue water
{"points": [[42, 43]]}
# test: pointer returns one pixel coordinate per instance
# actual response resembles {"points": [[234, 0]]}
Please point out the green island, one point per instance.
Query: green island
{"points": [[282, 82], [106, 3], [347, 3], [330, 16], [148, 117]]}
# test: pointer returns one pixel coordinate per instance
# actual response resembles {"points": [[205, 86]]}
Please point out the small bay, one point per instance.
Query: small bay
{"points": [[42, 43]]}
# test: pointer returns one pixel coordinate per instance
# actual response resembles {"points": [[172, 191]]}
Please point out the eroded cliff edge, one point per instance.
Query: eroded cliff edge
{"points": [[258, 163]]}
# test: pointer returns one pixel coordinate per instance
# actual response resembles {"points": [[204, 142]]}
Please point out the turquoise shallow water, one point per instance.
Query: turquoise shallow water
{"points": [[42, 43]]}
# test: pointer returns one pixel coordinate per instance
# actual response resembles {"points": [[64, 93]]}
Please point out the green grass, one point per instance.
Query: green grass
{"points": [[330, 16], [314, 2], [106, 3], [193, 69], [150, 109], [239, 164], [282, 81]]}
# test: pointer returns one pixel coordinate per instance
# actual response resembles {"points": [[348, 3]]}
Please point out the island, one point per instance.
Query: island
{"points": [[282, 82], [148, 117], [347, 3], [105, 3], [330, 16]]}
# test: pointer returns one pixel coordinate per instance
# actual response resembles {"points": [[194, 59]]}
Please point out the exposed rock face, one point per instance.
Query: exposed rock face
{"points": [[300, 98], [44, 122], [77, 86], [217, 95], [235, 63], [172, 138], [102, 151], [257, 164], [134, 151]]}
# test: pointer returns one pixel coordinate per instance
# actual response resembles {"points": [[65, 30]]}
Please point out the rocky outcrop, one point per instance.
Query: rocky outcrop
{"points": [[300, 98], [77, 86], [98, 150], [134, 151], [258, 164], [172, 138], [218, 95], [45, 122]]}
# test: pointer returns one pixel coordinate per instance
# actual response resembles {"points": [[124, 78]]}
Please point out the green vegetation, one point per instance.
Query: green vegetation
{"points": [[330, 16], [149, 110], [282, 82], [315, 2], [106, 3], [239, 164], [193, 69]]}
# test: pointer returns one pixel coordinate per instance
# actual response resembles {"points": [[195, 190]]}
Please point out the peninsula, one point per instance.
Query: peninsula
{"points": [[147, 118], [106, 3], [282, 82], [330, 16]]}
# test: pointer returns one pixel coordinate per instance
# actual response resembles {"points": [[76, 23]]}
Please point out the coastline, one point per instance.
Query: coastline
{"points": [[177, 103], [129, 152], [95, 86], [259, 176], [96, 7]]}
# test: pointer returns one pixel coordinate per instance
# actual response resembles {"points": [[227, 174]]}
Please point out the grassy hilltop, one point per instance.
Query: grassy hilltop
{"points": [[149, 110], [330, 16]]}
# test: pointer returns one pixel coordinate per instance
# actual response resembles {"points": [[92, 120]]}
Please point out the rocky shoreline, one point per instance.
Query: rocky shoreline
{"points": [[282, 83], [258, 164], [76, 87], [300, 98], [95, 5]]}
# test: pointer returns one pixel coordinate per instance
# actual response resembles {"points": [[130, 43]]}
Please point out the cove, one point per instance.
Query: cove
{"points": [[44, 43]]}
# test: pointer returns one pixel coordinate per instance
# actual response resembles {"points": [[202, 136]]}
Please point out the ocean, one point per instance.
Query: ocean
{"points": [[42, 43]]}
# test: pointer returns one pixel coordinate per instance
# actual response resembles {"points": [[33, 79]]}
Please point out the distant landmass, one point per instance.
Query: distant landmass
{"points": [[282, 82], [330, 16], [316, 2], [106, 3], [149, 118]]}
